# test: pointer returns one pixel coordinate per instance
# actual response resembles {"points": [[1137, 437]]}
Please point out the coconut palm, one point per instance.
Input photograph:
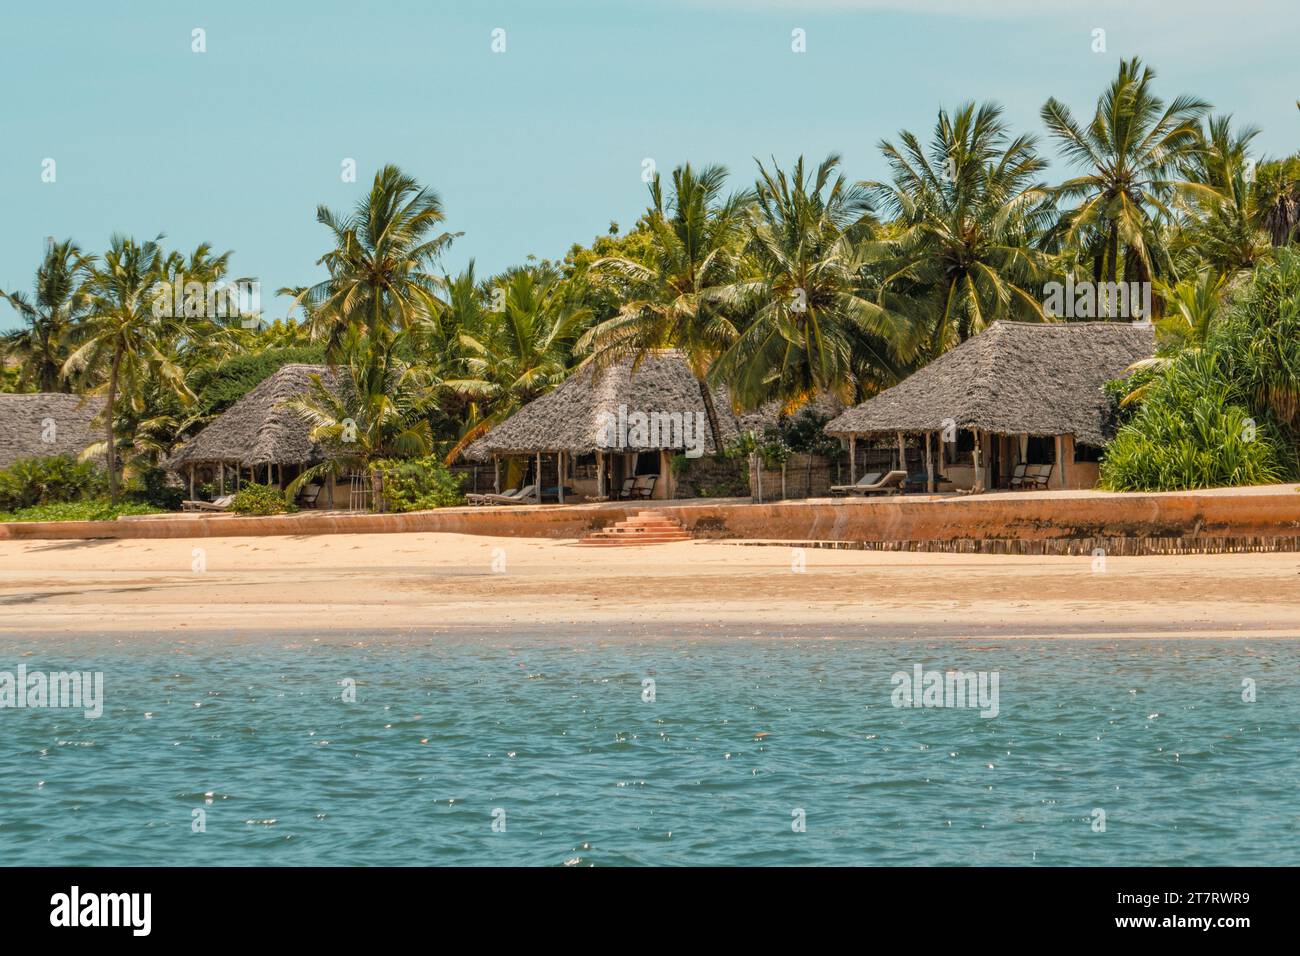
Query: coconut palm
{"points": [[520, 352], [1220, 230], [124, 339], [1276, 207], [1132, 152], [374, 407], [809, 327], [970, 208], [695, 238], [379, 269], [56, 306]]}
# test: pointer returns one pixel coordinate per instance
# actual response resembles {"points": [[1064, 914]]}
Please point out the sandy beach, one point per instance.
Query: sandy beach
{"points": [[401, 582]]}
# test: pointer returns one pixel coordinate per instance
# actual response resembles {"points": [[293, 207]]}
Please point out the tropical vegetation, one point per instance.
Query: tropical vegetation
{"points": [[801, 283]]}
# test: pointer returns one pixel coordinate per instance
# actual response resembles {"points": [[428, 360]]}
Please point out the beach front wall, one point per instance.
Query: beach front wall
{"points": [[1271, 513]]}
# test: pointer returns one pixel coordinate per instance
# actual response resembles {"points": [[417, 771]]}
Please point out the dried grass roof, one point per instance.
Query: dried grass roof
{"points": [[571, 418], [23, 425], [1013, 378], [259, 429]]}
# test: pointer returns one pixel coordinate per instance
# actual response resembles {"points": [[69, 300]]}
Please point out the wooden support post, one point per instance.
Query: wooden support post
{"points": [[853, 459], [191, 482], [600, 474], [929, 466], [221, 483], [902, 453], [538, 476], [496, 475], [979, 474], [1060, 463], [559, 475]]}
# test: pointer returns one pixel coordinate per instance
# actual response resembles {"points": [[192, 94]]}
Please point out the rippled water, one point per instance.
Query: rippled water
{"points": [[552, 729]]}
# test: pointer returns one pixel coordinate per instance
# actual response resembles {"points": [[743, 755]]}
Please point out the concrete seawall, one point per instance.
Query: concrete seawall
{"points": [[1271, 512]]}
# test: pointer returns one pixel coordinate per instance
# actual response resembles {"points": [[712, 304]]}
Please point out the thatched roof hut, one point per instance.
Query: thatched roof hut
{"points": [[575, 417], [259, 429], [1013, 378], [42, 424]]}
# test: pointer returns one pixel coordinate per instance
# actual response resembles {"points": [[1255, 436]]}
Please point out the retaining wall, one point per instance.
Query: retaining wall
{"points": [[1260, 513]]}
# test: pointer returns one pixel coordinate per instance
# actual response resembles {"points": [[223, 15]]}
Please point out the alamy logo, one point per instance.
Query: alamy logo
{"points": [[103, 909], [638, 429], [77, 689], [950, 688], [1097, 300], [211, 300]]}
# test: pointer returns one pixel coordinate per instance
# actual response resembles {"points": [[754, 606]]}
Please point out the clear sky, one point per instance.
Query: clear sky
{"points": [[542, 145]]}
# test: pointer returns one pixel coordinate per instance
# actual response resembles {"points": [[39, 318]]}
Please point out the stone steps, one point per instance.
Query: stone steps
{"points": [[645, 527]]}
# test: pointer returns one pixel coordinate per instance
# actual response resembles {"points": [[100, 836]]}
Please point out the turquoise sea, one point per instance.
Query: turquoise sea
{"points": [[548, 735]]}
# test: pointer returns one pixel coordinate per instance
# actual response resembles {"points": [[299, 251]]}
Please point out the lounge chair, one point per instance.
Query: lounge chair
{"points": [[643, 487], [918, 482], [217, 504], [865, 481], [522, 496], [891, 484], [1018, 476], [626, 490], [1039, 480], [309, 494], [481, 499]]}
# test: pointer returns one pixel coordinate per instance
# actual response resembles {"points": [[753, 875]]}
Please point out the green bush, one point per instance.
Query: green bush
{"points": [[255, 499], [153, 487], [1228, 414], [418, 484], [96, 510], [39, 481], [1193, 430]]}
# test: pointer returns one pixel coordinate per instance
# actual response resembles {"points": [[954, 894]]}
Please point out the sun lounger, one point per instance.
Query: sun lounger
{"points": [[1039, 480], [481, 499], [217, 504], [521, 496], [309, 495], [890, 484], [865, 481], [643, 487], [1018, 476], [626, 490]]}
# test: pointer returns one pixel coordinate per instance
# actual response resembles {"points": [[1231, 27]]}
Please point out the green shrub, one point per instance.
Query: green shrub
{"points": [[255, 499], [152, 486], [1193, 430], [95, 510], [38, 481], [418, 484]]}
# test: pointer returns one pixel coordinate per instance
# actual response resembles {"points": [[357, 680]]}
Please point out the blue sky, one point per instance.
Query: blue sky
{"points": [[541, 146]]}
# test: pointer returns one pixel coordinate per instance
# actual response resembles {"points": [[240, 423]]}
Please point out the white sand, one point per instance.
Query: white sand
{"points": [[405, 581]]}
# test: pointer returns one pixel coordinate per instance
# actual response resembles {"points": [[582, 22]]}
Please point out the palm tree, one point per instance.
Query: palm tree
{"points": [[522, 352], [695, 239], [378, 269], [810, 328], [969, 210], [1277, 199], [124, 338], [1220, 229], [1132, 151], [57, 305], [376, 409]]}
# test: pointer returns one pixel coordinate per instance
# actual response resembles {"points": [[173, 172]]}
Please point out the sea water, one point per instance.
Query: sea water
{"points": [[557, 748]]}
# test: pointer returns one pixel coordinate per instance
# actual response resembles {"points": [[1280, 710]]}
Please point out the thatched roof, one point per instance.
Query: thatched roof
{"points": [[259, 429], [1013, 378], [572, 417], [23, 425]]}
